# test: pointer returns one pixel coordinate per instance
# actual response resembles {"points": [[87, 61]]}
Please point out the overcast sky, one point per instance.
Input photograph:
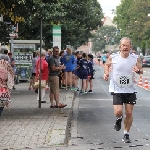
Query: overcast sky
{"points": [[108, 5]]}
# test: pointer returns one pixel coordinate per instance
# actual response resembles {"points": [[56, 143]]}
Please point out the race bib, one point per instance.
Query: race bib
{"points": [[124, 81]]}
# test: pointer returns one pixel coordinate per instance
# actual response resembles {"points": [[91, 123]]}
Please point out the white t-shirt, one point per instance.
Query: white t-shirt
{"points": [[122, 77]]}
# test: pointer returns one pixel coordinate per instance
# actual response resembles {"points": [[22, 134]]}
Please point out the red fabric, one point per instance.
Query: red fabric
{"points": [[44, 67]]}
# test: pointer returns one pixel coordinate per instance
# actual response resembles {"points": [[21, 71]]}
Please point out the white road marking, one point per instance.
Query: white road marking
{"points": [[146, 71], [97, 99]]}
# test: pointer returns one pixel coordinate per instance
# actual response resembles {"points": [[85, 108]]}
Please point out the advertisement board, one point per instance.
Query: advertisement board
{"points": [[57, 36], [23, 54]]}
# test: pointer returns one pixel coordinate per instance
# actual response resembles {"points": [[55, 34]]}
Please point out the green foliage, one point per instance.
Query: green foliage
{"points": [[77, 18], [4, 32], [106, 35], [132, 18]]}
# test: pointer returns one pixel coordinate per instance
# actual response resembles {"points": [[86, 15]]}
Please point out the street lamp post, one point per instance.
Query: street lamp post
{"points": [[40, 63]]}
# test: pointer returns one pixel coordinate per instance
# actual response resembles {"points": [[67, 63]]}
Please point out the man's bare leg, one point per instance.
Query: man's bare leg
{"points": [[118, 111], [127, 122], [51, 96], [56, 97]]}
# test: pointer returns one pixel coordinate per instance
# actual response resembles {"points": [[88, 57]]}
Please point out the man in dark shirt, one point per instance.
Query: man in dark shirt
{"points": [[54, 70]]}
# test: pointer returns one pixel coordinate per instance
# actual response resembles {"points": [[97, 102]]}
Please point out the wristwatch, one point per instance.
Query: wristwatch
{"points": [[138, 72]]}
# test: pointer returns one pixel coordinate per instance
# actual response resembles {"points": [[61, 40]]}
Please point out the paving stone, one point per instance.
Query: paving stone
{"points": [[26, 126]]}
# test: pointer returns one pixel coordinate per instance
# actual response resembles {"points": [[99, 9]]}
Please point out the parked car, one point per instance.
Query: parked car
{"points": [[146, 61]]}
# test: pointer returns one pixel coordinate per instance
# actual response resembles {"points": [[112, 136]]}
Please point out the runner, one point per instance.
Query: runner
{"points": [[91, 73], [123, 67]]}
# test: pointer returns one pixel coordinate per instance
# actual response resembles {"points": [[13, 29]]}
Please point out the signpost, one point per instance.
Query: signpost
{"points": [[57, 36]]}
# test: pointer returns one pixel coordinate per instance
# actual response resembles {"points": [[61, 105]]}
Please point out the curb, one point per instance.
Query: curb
{"points": [[61, 129], [68, 96], [74, 124]]}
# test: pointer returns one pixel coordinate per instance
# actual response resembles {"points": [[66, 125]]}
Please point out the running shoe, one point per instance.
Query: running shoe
{"points": [[78, 89], [82, 93], [126, 138], [90, 91], [117, 125], [73, 89]]}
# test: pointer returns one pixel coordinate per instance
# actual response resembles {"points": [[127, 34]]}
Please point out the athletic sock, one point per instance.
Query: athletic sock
{"points": [[125, 132], [119, 117]]}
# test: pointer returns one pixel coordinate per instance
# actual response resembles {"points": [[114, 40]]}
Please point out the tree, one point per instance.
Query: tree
{"points": [[104, 36], [132, 15], [77, 18]]}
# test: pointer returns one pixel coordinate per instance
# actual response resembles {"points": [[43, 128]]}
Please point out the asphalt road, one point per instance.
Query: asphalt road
{"points": [[95, 119]]}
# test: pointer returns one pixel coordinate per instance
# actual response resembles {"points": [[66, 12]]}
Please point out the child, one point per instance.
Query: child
{"points": [[90, 72], [83, 71]]}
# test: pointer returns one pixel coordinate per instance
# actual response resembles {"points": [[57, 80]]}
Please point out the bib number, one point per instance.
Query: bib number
{"points": [[124, 81]]}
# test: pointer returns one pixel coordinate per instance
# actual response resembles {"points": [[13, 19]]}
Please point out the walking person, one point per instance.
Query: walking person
{"points": [[123, 68], [54, 70], [6, 82], [44, 74]]}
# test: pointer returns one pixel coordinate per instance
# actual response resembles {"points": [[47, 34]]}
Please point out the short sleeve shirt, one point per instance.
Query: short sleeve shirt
{"points": [[53, 61], [34, 65]]}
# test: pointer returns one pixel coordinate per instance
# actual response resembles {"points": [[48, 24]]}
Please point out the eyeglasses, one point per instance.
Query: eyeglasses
{"points": [[56, 51]]}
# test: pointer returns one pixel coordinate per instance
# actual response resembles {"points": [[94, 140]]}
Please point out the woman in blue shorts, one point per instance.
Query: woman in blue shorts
{"points": [[68, 61], [83, 71]]}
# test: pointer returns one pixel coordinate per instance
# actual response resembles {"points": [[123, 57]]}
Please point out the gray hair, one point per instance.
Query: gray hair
{"points": [[43, 52], [4, 56], [126, 38]]}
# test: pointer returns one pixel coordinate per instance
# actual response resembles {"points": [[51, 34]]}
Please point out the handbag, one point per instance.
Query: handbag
{"points": [[43, 84]]}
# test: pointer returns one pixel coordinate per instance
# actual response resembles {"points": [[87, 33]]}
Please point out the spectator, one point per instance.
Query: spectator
{"points": [[44, 74], [77, 70], [62, 75], [54, 70], [5, 54], [90, 73], [74, 83], [83, 72], [103, 58], [37, 53], [33, 70], [68, 61], [6, 82], [48, 55], [12, 63]]}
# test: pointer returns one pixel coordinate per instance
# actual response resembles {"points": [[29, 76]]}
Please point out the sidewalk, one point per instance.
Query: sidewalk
{"points": [[26, 126]]}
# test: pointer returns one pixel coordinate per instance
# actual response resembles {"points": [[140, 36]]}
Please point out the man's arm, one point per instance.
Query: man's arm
{"points": [[106, 68], [138, 68]]}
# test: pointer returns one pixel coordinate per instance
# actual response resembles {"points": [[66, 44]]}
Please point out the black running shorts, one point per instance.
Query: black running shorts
{"points": [[121, 98]]}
